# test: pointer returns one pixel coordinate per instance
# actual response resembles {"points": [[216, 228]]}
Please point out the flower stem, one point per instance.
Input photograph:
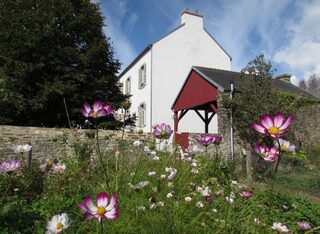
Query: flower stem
{"points": [[106, 170], [101, 228]]}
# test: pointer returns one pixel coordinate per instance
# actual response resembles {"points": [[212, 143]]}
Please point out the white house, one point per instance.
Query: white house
{"points": [[155, 77]]}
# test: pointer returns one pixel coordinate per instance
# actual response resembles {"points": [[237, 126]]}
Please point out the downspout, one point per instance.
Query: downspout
{"points": [[151, 78], [231, 123]]}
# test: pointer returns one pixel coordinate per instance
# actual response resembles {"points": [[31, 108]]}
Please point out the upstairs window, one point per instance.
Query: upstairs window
{"points": [[142, 76], [142, 115], [128, 86]]}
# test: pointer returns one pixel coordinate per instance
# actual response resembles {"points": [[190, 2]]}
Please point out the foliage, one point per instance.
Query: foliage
{"points": [[311, 84], [148, 209], [51, 51]]}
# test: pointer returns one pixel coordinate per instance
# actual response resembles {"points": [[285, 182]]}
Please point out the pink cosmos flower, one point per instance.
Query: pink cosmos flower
{"points": [[10, 166], [284, 145], [106, 207], [303, 225], [275, 127], [205, 139], [246, 193], [162, 131], [269, 154], [98, 109]]}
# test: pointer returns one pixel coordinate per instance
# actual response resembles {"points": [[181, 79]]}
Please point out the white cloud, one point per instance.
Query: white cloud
{"points": [[247, 28], [124, 50], [302, 53]]}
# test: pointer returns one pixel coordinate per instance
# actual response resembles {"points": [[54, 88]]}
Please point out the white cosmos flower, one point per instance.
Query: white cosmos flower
{"points": [[163, 176], [58, 168], [169, 195], [204, 191], [188, 199], [139, 185], [155, 158], [200, 204], [21, 148], [194, 170], [172, 172], [285, 145], [58, 223], [279, 227], [160, 204], [142, 208], [151, 173], [136, 143]]}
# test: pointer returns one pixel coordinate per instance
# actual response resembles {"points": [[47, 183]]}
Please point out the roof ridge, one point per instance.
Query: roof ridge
{"points": [[217, 69]]}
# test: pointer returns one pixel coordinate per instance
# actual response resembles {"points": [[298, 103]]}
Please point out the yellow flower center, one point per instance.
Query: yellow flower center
{"points": [[263, 154], [94, 114], [283, 147], [59, 226], [59, 169], [101, 210], [274, 130]]}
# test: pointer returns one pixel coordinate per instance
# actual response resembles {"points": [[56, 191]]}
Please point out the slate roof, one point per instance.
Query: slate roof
{"points": [[222, 79]]}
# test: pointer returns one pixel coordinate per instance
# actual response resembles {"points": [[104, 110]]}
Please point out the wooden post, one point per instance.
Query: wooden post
{"points": [[248, 167], [206, 122]]}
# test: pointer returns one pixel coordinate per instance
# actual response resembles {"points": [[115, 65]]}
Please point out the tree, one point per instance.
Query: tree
{"points": [[257, 97], [54, 50], [312, 85]]}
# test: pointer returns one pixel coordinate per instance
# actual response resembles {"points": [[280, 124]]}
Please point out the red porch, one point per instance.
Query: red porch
{"points": [[197, 94]]}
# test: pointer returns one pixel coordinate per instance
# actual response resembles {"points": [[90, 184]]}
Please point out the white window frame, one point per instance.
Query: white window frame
{"points": [[128, 85], [142, 76], [142, 115]]}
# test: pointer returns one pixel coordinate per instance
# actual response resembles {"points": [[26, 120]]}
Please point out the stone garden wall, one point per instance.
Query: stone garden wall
{"points": [[54, 142], [307, 126]]}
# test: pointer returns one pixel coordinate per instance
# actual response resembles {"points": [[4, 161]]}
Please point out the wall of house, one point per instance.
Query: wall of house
{"points": [[140, 95], [173, 57], [54, 142]]}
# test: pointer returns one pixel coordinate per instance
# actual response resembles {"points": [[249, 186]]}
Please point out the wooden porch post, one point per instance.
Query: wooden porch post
{"points": [[206, 122]]}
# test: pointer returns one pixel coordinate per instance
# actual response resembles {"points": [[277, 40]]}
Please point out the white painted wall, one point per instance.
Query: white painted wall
{"points": [[173, 57], [169, 62], [140, 95]]}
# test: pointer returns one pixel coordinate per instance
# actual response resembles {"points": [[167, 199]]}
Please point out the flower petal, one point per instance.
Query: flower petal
{"points": [[286, 124], [258, 128], [97, 105], [278, 120], [102, 200], [90, 206], [112, 214], [266, 121], [87, 216], [113, 202]]}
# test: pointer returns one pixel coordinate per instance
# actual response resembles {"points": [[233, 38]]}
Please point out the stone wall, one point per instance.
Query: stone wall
{"points": [[307, 126], [224, 128], [53, 142]]}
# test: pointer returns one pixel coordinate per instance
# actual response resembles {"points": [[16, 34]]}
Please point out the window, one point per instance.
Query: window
{"points": [[121, 87], [128, 85], [142, 76], [142, 115]]}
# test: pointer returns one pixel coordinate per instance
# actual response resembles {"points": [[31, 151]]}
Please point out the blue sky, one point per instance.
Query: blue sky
{"points": [[286, 31]]}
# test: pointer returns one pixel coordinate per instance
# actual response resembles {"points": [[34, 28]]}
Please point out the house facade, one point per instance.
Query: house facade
{"points": [[156, 75]]}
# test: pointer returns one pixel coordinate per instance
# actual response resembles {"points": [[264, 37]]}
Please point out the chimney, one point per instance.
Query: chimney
{"points": [[284, 77], [190, 18]]}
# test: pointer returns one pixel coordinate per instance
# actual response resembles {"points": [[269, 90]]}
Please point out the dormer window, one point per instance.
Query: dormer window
{"points": [[142, 76]]}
